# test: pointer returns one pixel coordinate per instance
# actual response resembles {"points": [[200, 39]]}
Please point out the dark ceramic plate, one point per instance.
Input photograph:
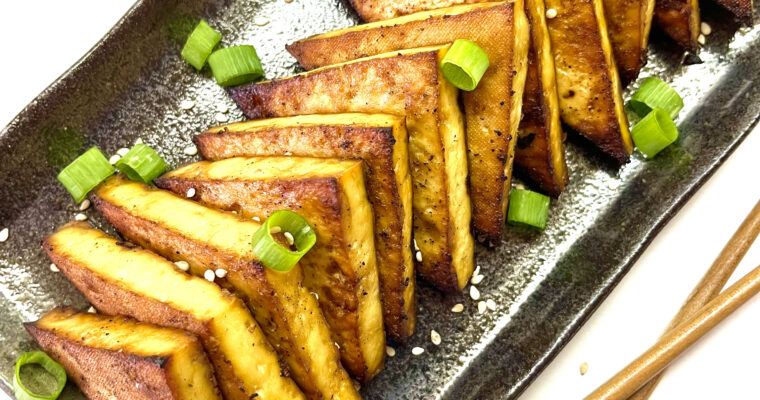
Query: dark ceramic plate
{"points": [[545, 285]]}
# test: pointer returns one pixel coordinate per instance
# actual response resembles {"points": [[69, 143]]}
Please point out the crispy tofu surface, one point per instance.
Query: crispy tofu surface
{"points": [[680, 20], [118, 357], [409, 83], [207, 239], [119, 278], [380, 140], [341, 268], [628, 25], [492, 110]]}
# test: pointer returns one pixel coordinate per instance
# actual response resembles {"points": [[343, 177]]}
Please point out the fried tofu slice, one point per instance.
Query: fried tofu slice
{"points": [[492, 110], [680, 20], [207, 239], [117, 357], [588, 85], [119, 278], [380, 140], [742, 9], [409, 83], [341, 267], [628, 24]]}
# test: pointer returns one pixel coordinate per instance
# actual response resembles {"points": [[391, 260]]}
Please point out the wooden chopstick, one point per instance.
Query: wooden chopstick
{"points": [[695, 317], [712, 282]]}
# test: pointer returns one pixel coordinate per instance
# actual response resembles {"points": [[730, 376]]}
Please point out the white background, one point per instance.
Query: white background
{"points": [[41, 39]]}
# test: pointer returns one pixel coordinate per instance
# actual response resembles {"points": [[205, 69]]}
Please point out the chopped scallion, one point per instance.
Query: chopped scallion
{"points": [[654, 93], [200, 44], [84, 173], [272, 252], [38, 377], [141, 164], [235, 65], [654, 132], [464, 64], [527, 208]]}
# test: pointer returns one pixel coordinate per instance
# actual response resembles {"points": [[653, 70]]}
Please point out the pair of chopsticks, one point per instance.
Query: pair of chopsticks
{"points": [[704, 308]]}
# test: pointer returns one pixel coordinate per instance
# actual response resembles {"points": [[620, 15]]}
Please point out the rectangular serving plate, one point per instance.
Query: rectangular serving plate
{"points": [[545, 285]]}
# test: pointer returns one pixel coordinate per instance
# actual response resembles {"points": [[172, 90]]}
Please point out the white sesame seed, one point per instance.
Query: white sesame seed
{"points": [[186, 104], [435, 337], [122, 151], [4, 235], [476, 279], [209, 275], [221, 107], [260, 21], [190, 192], [221, 117], [316, 296], [701, 39], [221, 273], [183, 265], [257, 219], [85, 204], [287, 153], [92, 310], [417, 248], [114, 159], [705, 28], [551, 13], [474, 293], [491, 305], [417, 351], [477, 270], [390, 351], [139, 141], [336, 345], [54, 268], [418, 256], [289, 237], [459, 307], [275, 229], [80, 217], [190, 150], [481, 307], [234, 212], [584, 368]]}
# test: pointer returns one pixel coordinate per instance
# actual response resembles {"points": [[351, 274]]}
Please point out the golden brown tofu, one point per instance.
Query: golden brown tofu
{"points": [[341, 267], [492, 110], [117, 357], [207, 239], [742, 9], [588, 85], [119, 278], [409, 83], [380, 140], [628, 24], [680, 20]]}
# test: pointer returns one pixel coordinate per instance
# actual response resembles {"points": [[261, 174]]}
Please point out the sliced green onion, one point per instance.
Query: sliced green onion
{"points": [[527, 208], [200, 44], [655, 93], [654, 132], [235, 65], [42, 383], [274, 255], [141, 164], [464, 64], [84, 173]]}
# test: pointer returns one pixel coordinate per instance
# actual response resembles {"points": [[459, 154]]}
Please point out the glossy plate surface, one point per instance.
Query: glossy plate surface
{"points": [[544, 285]]}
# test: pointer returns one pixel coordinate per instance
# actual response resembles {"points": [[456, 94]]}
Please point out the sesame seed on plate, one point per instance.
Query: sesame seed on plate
{"points": [[417, 351], [183, 265], [435, 337], [114, 159], [551, 13], [85, 204], [190, 192], [275, 229], [139, 141], [190, 150], [4, 235], [257, 219], [260, 21], [289, 237], [186, 104], [584, 368], [705, 28], [80, 217], [54, 268], [418, 256], [221, 273], [477, 270], [122, 151], [390, 351], [459, 307], [92, 310], [209, 275], [476, 279], [481, 307], [417, 248], [491, 305], [474, 293], [221, 117], [221, 107], [701, 39]]}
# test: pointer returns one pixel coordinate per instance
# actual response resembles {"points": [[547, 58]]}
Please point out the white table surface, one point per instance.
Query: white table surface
{"points": [[41, 39]]}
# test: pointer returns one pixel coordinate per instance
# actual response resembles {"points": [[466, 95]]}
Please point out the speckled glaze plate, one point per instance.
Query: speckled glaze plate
{"points": [[545, 285]]}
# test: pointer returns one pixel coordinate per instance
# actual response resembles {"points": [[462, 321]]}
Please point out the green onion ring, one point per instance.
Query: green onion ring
{"points": [[52, 367], [528, 208], [272, 254], [464, 64], [654, 132], [235, 65], [84, 173], [141, 164], [654, 93], [200, 44]]}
